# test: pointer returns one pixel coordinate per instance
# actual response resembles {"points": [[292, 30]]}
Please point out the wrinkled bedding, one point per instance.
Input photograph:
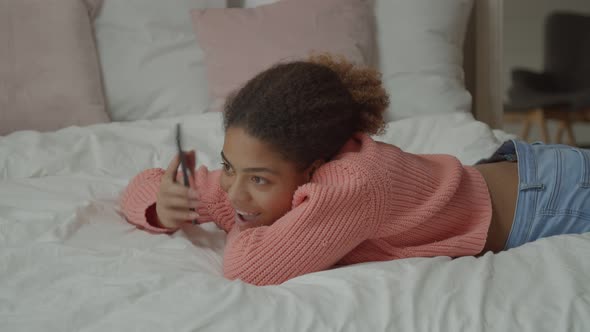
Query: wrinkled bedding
{"points": [[70, 262]]}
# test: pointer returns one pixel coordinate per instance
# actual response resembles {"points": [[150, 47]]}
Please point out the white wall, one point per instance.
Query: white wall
{"points": [[523, 44]]}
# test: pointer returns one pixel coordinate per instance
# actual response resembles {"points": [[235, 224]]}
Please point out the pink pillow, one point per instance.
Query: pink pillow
{"points": [[239, 43], [49, 69]]}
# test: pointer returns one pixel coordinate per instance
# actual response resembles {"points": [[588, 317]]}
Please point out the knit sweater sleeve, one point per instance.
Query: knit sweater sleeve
{"points": [[138, 200], [330, 217], [139, 196]]}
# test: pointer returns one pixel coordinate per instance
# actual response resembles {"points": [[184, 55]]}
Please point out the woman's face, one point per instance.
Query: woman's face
{"points": [[259, 183]]}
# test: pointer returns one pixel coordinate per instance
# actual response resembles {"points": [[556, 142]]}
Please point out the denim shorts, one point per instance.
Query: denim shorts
{"points": [[553, 191]]}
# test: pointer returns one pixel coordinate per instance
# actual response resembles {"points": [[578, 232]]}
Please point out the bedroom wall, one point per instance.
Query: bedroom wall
{"points": [[523, 46]]}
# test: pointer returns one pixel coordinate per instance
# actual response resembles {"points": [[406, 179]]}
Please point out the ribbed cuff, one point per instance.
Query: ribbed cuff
{"points": [[140, 194]]}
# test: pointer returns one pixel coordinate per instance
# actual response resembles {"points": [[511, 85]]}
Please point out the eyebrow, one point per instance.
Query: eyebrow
{"points": [[250, 169]]}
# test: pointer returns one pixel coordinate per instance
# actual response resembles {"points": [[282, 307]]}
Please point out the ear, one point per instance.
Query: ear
{"points": [[312, 168]]}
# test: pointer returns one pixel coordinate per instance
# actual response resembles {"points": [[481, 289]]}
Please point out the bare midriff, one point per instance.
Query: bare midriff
{"points": [[502, 181]]}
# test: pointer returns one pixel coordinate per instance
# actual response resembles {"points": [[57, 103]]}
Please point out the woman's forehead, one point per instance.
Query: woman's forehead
{"points": [[244, 150]]}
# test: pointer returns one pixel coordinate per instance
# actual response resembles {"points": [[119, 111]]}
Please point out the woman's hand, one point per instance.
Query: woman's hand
{"points": [[175, 201]]}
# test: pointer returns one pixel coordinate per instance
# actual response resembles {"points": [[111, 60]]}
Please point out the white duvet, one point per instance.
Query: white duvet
{"points": [[70, 262]]}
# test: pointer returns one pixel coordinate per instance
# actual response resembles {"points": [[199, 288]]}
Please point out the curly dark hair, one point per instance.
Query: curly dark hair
{"points": [[307, 110]]}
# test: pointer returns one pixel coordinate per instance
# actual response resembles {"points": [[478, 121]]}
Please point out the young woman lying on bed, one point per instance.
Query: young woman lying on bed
{"points": [[303, 187]]}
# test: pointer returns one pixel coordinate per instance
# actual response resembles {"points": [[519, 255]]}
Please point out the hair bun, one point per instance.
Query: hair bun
{"points": [[365, 87]]}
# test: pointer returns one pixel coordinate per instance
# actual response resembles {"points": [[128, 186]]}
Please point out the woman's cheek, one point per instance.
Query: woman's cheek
{"points": [[224, 182], [279, 202]]}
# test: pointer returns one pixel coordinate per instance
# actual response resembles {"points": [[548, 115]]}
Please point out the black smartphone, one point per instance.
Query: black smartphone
{"points": [[182, 156], [183, 161]]}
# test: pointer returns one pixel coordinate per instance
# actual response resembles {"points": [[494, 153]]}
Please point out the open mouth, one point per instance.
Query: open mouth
{"points": [[246, 217]]}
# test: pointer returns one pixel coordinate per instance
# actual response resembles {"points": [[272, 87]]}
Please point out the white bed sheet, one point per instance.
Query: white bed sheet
{"points": [[69, 261]]}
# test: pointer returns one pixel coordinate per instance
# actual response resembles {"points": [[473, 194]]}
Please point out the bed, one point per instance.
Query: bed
{"points": [[70, 262]]}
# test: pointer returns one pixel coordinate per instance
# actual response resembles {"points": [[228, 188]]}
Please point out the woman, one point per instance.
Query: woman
{"points": [[303, 187]]}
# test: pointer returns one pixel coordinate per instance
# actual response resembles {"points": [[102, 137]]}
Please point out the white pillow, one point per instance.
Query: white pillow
{"points": [[420, 54], [256, 3], [152, 64]]}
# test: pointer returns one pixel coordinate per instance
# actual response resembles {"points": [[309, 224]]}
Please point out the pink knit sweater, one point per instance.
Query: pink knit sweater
{"points": [[373, 202]]}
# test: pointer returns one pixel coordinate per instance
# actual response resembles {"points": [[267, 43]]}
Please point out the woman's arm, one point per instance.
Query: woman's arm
{"points": [[138, 201], [326, 223]]}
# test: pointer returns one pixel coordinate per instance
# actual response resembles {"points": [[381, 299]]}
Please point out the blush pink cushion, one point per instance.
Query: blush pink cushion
{"points": [[239, 43], [49, 69]]}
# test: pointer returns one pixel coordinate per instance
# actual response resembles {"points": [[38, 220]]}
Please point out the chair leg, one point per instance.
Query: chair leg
{"points": [[526, 128], [560, 130], [539, 117], [571, 140], [565, 125]]}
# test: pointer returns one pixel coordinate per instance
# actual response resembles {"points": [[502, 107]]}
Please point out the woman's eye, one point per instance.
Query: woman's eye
{"points": [[259, 180], [226, 167]]}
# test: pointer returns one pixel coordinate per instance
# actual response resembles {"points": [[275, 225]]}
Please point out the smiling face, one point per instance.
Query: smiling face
{"points": [[259, 182]]}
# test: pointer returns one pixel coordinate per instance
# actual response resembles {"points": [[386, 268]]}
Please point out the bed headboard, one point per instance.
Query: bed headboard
{"points": [[483, 61]]}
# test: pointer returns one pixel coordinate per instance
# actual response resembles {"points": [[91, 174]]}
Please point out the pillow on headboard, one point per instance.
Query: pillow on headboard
{"points": [[239, 43], [49, 70], [152, 65], [256, 3], [420, 53]]}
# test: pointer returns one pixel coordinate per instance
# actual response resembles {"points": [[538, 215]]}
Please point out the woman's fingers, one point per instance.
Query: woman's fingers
{"points": [[175, 202], [178, 190], [191, 160], [181, 215], [180, 202], [170, 174]]}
